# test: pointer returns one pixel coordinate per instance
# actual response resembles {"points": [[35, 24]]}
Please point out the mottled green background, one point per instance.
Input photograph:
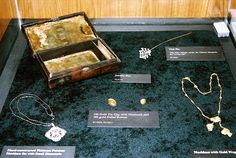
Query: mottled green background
{"points": [[182, 127]]}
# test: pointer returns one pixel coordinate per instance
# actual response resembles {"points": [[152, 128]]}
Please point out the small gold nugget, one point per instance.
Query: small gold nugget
{"points": [[143, 101], [111, 102]]}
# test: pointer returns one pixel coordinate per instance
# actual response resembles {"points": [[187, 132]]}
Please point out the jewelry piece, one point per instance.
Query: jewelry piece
{"points": [[112, 102], [143, 101], [215, 119], [144, 53], [55, 133]]}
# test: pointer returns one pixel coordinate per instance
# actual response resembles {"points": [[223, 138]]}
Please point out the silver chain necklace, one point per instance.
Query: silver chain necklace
{"points": [[55, 133], [215, 119]]}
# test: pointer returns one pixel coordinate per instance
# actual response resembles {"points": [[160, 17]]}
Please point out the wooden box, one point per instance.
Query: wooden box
{"points": [[68, 49]]}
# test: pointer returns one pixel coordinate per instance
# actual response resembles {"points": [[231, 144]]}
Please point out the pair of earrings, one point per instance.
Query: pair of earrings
{"points": [[112, 102]]}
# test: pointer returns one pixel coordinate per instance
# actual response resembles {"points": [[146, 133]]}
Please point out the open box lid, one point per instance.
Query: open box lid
{"points": [[59, 32]]}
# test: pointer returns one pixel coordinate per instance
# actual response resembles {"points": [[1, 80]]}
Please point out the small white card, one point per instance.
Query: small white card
{"points": [[38, 152], [132, 78], [221, 29]]}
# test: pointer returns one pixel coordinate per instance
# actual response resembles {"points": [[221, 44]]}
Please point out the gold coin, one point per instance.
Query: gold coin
{"points": [[143, 101], [111, 102]]}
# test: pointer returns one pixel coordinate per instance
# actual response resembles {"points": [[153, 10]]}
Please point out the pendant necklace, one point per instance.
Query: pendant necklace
{"points": [[213, 120], [55, 133]]}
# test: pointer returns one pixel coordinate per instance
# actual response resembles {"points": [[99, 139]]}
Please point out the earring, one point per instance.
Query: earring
{"points": [[111, 102], [143, 101]]}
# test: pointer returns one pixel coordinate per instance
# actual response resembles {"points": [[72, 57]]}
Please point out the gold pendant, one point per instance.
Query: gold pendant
{"points": [[226, 131], [215, 119], [210, 126]]}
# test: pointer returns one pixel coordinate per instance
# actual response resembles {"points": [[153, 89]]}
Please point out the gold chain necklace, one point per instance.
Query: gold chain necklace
{"points": [[215, 119]]}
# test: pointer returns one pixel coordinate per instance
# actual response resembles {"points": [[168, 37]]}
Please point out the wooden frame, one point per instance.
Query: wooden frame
{"points": [[113, 9]]}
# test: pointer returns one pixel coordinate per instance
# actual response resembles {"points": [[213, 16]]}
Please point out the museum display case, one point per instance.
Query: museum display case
{"points": [[150, 78]]}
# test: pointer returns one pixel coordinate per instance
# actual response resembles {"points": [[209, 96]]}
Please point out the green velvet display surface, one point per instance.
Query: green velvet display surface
{"points": [[182, 128]]}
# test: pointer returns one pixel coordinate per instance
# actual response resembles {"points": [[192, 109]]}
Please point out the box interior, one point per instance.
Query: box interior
{"points": [[59, 33], [76, 56]]}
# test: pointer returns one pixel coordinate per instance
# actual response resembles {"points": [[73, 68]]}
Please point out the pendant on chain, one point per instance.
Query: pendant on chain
{"points": [[55, 133]]}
